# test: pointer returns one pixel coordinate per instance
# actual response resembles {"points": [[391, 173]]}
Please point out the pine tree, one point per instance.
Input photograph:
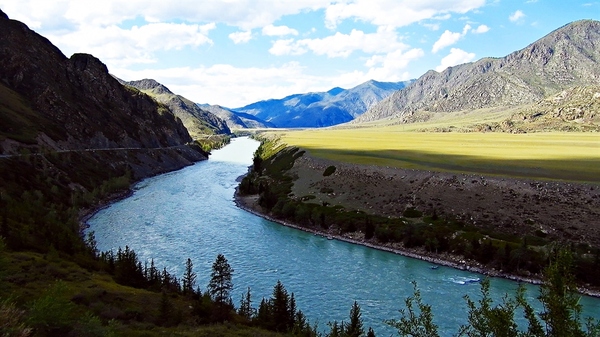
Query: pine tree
{"points": [[280, 307], [220, 287], [245, 309], [189, 278], [355, 327]]}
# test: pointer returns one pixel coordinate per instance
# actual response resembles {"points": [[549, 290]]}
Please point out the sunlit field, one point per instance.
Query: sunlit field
{"points": [[561, 156]]}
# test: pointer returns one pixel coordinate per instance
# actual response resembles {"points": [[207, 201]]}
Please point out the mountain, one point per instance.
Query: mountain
{"points": [[320, 109], [70, 135], [198, 122], [237, 120], [567, 57]]}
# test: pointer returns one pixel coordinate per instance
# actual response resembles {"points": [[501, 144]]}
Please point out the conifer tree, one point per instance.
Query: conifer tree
{"points": [[220, 287], [355, 327], [189, 278]]}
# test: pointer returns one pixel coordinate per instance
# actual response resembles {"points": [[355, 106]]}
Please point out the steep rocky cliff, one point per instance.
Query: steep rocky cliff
{"points": [[52, 103], [567, 57]]}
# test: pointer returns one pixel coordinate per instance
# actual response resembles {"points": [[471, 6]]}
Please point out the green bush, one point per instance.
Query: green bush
{"points": [[329, 171], [411, 212]]}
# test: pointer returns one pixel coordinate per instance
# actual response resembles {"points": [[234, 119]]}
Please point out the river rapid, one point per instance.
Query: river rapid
{"points": [[192, 213]]}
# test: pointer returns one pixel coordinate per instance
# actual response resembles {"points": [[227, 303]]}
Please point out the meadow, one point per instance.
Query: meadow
{"points": [[547, 155]]}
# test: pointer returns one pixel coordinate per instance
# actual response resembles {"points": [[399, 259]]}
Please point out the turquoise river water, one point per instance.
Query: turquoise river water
{"points": [[192, 213]]}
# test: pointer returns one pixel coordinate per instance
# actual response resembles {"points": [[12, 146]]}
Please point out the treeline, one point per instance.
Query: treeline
{"points": [[433, 232], [560, 317]]}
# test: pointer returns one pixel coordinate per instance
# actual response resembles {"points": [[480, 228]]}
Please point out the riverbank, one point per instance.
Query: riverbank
{"points": [[250, 204]]}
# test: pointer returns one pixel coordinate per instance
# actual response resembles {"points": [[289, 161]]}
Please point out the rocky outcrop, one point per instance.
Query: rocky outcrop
{"points": [[567, 57]]}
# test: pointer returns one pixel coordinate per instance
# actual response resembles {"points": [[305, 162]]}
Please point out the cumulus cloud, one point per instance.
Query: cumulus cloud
{"points": [[481, 29], [449, 38], [287, 47], [204, 84], [244, 14], [516, 16], [342, 45], [392, 66], [456, 56], [120, 46], [240, 37], [395, 13], [271, 30]]}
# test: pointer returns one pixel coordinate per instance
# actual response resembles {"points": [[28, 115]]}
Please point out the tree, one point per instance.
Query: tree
{"points": [[415, 323], [245, 309], [485, 320], [220, 287], [558, 295], [220, 284], [355, 327], [189, 278]]}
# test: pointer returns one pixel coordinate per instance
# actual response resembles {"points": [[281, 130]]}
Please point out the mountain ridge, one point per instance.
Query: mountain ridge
{"points": [[321, 109], [197, 121], [567, 56]]}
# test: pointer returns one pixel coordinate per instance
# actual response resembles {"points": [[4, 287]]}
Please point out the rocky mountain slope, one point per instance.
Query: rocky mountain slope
{"points": [[567, 57], [320, 109], [54, 103], [237, 120], [198, 122]]}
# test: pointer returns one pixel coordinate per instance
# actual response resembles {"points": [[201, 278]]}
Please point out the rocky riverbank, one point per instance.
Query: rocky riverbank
{"points": [[388, 191]]}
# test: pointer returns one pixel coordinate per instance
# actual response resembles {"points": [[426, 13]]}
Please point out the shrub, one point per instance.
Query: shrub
{"points": [[329, 171]]}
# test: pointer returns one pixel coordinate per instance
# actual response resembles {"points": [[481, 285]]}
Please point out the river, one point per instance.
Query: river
{"points": [[192, 213]]}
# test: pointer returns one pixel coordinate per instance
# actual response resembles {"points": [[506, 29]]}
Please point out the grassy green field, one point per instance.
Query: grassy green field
{"points": [[560, 156]]}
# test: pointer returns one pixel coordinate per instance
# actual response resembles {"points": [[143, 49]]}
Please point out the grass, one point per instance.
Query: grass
{"points": [[556, 156]]}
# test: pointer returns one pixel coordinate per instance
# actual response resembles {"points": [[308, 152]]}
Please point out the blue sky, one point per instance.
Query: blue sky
{"points": [[236, 52]]}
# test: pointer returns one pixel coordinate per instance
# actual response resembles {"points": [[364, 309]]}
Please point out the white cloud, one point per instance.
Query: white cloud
{"points": [[395, 13], [481, 29], [456, 56], [205, 84], [114, 45], [516, 16], [241, 37], [390, 67], [287, 47], [449, 38], [342, 45], [271, 30], [245, 14]]}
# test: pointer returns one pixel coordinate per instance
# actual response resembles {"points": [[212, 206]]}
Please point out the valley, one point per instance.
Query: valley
{"points": [[490, 166]]}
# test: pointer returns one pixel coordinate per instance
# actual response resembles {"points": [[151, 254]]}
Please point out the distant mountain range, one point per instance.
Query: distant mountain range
{"points": [[567, 57], [320, 109], [237, 120]]}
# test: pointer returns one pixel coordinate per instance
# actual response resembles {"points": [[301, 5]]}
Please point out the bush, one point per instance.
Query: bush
{"points": [[411, 212], [329, 171]]}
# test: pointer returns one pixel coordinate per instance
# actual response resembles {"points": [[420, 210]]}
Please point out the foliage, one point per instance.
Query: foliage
{"points": [[12, 320], [329, 171], [417, 319], [220, 287], [561, 315], [53, 312]]}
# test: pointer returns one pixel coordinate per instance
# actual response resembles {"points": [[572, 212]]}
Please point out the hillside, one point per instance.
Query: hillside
{"points": [[566, 57], [321, 109], [237, 120], [198, 122]]}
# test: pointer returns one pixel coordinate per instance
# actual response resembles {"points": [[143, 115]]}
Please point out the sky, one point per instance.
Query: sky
{"points": [[237, 52]]}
